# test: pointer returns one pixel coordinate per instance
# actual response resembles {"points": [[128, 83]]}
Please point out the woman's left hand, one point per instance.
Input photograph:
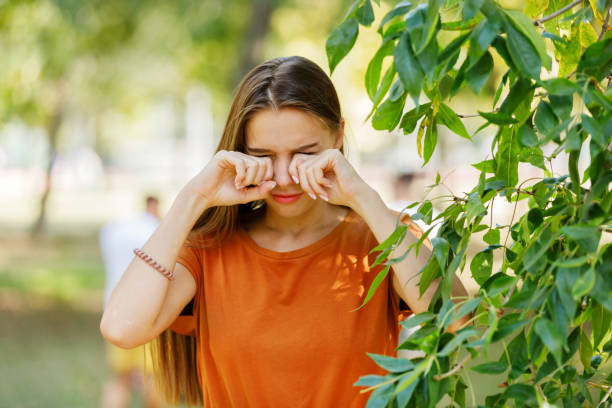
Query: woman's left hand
{"points": [[328, 175]]}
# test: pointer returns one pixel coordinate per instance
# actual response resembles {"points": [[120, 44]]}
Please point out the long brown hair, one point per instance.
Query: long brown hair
{"points": [[289, 82]]}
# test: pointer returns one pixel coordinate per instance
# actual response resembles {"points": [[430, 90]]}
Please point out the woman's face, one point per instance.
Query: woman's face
{"points": [[281, 135]]}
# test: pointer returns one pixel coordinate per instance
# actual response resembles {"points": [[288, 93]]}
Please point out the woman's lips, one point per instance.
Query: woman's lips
{"points": [[286, 198]]}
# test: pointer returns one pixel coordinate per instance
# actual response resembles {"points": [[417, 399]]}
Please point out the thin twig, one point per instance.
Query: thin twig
{"points": [[604, 27], [544, 19], [468, 116], [454, 370]]}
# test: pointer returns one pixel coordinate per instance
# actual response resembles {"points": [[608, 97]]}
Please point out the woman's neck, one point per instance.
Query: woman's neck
{"points": [[320, 216]]}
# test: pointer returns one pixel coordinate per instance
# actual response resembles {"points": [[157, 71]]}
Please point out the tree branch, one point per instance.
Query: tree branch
{"points": [[544, 19], [604, 27], [454, 370]]}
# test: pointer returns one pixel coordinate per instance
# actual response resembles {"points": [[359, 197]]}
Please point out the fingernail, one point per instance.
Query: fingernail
{"points": [[314, 197], [324, 198], [295, 180]]}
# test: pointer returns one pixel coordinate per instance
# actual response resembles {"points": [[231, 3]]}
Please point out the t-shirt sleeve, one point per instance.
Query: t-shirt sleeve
{"points": [[190, 257]]}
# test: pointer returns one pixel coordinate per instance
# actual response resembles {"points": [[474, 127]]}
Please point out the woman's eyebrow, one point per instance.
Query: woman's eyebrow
{"points": [[303, 147]]}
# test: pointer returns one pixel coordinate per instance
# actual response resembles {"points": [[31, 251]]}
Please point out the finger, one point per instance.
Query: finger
{"points": [[251, 172], [304, 183], [262, 169], [293, 168], [259, 192], [240, 168], [269, 168], [314, 184]]}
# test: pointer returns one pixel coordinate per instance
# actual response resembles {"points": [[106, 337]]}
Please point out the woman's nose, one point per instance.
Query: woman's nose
{"points": [[281, 173]]}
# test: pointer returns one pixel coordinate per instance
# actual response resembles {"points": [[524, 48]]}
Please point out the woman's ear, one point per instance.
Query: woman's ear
{"points": [[339, 136]]}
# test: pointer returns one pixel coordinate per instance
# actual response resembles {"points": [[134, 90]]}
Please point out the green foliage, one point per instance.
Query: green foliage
{"points": [[550, 301]]}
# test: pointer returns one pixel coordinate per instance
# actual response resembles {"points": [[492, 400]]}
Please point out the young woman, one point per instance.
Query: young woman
{"points": [[271, 240]]}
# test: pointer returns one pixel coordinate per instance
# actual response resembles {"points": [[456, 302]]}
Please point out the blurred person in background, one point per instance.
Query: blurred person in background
{"points": [[272, 240], [128, 371]]}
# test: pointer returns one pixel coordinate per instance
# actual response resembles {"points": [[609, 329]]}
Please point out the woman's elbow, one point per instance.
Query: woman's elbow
{"points": [[118, 334]]}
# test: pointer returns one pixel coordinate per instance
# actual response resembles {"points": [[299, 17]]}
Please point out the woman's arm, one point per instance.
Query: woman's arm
{"points": [[330, 176], [382, 221], [130, 317], [145, 302]]}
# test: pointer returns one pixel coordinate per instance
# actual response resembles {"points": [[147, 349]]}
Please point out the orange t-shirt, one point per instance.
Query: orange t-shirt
{"points": [[276, 329]]}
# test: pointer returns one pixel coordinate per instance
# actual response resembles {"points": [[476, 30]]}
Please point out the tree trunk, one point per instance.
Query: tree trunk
{"points": [[52, 133], [253, 51]]}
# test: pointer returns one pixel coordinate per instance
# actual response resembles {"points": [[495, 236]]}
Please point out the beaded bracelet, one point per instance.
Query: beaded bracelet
{"points": [[160, 268]]}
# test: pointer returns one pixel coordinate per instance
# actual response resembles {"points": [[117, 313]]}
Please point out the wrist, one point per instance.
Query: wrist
{"points": [[364, 198], [191, 203]]}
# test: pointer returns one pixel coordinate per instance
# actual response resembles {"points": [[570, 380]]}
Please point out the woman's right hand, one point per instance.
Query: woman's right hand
{"points": [[233, 178]]}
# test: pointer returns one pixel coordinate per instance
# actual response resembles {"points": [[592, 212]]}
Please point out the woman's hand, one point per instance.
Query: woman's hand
{"points": [[328, 175], [233, 178]]}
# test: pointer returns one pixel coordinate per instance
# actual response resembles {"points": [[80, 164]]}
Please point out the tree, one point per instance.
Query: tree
{"points": [[550, 303]]}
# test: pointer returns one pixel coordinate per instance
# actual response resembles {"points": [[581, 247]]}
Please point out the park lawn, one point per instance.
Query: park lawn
{"points": [[51, 296]]}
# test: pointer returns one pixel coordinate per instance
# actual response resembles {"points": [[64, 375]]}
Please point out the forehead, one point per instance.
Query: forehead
{"points": [[285, 128]]}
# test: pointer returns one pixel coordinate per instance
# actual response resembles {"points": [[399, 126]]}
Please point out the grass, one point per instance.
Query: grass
{"points": [[51, 296]]}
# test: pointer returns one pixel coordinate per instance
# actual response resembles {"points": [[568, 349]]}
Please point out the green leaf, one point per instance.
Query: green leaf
{"points": [[537, 249], [527, 136], [507, 156], [481, 38], [524, 24], [408, 67], [365, 14], [487, 166], [428, 273], [430, 25], [478, 74], [491, 237], [430, 141], [545, 119], [522, 392], [601, 324], [560, 86], [474, 208], [369, 380], [481, 266], [586, 351], [395, 236], [388, 114], [381, 396], [561, 105], [491, 367], [400, 8], [447, 117], [551, 337], [385, 84], [522, 52], [517, 94], [497, 118], [410, 119], [596, 60], [498, 283], [586, 236], [470, 8], [456, 341], [452, 48], [392, 364], [416, 320], [340, 42], [375, 284], [584, 284], [440, 250], [372, 77], [466, 307]]}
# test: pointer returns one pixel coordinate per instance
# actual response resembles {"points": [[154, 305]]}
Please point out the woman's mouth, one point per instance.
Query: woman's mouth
{"points": [[286, 198]]}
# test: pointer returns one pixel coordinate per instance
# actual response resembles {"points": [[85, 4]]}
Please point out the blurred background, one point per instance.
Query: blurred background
{"points": [[105, 102]]}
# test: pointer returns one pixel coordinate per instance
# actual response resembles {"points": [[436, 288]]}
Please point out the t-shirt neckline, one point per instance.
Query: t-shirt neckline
{"points": [[296, 253]]}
